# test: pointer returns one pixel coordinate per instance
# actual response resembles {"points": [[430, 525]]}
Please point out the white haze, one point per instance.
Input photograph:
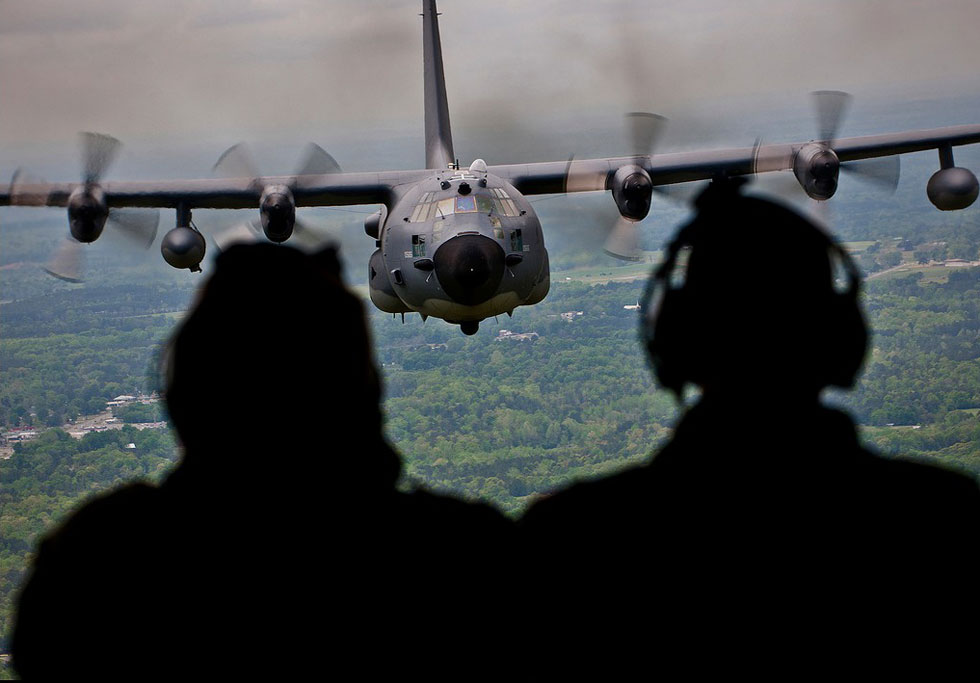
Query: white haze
{"points": [[188, 79]]}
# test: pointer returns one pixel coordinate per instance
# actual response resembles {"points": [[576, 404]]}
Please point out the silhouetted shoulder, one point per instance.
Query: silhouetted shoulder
{"points": [[440, 523], [110, 522], [86, 578], [928, 497], [447, 511], [587, 508]]}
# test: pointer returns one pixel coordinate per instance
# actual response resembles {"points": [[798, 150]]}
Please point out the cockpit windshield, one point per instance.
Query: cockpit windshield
{"points": [[466, 204], [430, 207]]}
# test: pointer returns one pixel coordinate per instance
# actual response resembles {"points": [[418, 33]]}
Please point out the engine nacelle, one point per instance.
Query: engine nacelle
{"points": [[632, 190], [183, 248], [374, 223], [278, 210], [87, 213], [952, 189], [817, 168]]}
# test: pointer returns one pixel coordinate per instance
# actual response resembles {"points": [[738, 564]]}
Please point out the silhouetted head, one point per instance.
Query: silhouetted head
{"points": [[275, 354], [753, 297]]}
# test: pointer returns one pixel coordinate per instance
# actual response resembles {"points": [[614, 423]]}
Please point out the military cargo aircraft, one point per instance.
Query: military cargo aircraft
{"points": [[462, 242]]}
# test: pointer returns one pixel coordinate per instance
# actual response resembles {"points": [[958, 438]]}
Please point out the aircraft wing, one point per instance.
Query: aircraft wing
{"points": [[590, 175], [333, 189], [585, 175]]}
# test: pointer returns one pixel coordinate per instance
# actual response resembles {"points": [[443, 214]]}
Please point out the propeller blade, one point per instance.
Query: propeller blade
{"points": [[884, 171], [98, 152], [583, 176], [683, 193], [645, 131], [316, 161], [822, 213], [305, 237], [623, 241], [248, 232], [139, 226], [25, 190], [830, 106], [767, 158], [236, 162], [782, 184], [68, 262]]}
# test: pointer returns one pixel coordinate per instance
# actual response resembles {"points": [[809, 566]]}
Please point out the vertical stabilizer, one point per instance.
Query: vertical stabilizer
{"points": [[438, 136]]}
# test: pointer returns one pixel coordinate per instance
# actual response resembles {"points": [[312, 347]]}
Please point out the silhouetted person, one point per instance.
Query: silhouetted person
{"points": [[763, 529], [279, 545]]}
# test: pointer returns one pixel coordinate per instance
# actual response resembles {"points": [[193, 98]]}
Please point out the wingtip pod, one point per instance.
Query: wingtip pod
{"points": [[952, 189], [183, 247]]}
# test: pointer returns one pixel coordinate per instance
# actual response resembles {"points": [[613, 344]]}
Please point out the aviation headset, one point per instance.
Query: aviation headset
{"points": [[686, 341]]}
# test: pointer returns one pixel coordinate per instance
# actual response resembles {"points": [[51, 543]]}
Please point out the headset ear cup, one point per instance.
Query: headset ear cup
{"points": [[731, 327], [850, 342], [847, 324], [669, 346]]}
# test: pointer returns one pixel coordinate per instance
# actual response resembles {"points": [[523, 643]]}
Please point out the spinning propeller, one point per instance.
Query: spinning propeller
{"points": [[830, 107], [816, 166], [631, 186], [88, 212], [277, 205]]}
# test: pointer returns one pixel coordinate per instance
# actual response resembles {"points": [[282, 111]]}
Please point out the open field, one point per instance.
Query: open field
{"points": [[595, 275]]}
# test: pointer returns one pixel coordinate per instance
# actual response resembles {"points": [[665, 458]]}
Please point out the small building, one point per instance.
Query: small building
{"points": [[25, 435], [516, 336]]}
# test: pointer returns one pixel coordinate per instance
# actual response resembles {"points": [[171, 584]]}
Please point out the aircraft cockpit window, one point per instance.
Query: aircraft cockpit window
{"points": [[429, 208], [418, 246], [445, 207], [420, 209], [503, 204], [516, 240], [466, 204], [423, 210], [484, 204]]}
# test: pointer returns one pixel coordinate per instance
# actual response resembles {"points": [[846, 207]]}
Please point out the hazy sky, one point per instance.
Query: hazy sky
{"points": [[218, 72]]}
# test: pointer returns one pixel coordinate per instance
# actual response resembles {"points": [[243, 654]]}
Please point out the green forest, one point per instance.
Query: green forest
{"points": [[485, 417]]}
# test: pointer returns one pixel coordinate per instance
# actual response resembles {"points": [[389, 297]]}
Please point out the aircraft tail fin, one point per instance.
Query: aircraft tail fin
{"points": [[438, 136]]}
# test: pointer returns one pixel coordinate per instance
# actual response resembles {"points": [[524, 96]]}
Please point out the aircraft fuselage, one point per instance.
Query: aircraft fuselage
{"points": [[462, 245]]}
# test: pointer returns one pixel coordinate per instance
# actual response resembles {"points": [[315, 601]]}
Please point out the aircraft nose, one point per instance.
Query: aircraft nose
{"points": [[277, 205], [469, 268]]}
